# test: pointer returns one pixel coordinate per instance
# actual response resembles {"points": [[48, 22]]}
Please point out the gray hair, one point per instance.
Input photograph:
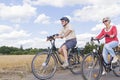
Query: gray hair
{"points": [[106, 18]]}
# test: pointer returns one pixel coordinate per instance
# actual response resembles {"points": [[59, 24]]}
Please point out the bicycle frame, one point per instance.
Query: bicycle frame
{"points": [[53, 50]]}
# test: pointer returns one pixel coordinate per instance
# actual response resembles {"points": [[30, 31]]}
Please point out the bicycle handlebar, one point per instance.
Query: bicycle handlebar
{"points": [[92, 39], [50, 38]]}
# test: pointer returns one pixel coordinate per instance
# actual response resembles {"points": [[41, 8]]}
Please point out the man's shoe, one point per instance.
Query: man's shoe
{"points": [[115, 59], [65, 64]]}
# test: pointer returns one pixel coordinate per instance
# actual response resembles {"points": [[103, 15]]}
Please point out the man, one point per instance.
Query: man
{"points": [[68, 33]]}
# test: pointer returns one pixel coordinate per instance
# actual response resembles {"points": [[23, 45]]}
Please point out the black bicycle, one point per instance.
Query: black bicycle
{"points": [[44, 64], [93, 63]]}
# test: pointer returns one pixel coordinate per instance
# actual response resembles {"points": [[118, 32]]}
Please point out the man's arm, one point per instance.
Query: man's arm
{"points": [[67, 33]]}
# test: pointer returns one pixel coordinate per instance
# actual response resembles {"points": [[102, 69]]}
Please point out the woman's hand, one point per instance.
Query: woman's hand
{"points": [[111, 36]]}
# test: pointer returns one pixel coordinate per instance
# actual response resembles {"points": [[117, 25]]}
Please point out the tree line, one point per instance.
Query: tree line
{"points": [[5, 50]]}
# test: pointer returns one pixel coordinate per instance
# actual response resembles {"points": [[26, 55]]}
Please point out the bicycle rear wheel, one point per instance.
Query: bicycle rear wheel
{"points": [[116, 66], [91, 67], [75, 60], [43, 65]]}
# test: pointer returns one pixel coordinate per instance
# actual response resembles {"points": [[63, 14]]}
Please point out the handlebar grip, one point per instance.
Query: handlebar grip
{"points": [[55, 35], [92, 39]]}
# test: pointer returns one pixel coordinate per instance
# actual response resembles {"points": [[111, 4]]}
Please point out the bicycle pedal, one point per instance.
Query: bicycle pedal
{"points": [[108, 70], [114, 63], [70, 67]]}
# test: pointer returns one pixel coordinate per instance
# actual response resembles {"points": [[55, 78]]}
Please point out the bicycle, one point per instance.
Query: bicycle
{"points": [[93, 63], [44, 64]]}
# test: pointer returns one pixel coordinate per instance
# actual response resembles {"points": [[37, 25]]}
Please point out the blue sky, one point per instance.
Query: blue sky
{"points": [[29, 22]]}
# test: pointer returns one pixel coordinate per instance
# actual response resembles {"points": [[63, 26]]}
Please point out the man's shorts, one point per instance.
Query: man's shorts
{"points": [[70, 43]]}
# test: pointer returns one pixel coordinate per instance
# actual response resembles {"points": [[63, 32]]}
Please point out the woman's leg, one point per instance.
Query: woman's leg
{"points": [[105, 54], [108, 48]]}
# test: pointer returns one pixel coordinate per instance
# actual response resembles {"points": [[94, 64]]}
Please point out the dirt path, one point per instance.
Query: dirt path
{"points": [[60, 75], [67, 75]]}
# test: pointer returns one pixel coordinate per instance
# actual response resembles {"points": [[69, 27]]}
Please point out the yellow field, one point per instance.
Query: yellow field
{"points": [[15, 62]]}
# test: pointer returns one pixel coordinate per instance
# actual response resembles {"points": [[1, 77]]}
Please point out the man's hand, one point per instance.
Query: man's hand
{"points": [[61, 36]]}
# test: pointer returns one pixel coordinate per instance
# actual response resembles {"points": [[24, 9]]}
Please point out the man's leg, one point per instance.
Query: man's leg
{"points": [[64, 49], [61, 51]]}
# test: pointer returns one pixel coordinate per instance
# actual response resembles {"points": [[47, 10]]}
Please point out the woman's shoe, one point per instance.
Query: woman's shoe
{"points": [[115, 59]]}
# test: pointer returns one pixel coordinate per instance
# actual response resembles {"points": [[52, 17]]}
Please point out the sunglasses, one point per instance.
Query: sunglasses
{"points": [[62, 20], [105, 21]]}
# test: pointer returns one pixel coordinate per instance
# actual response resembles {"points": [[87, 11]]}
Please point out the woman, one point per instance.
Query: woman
{"points": [[111, 40]]}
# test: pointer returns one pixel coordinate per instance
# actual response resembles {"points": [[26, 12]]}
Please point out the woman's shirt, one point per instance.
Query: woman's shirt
{"points": [[111, 31]]}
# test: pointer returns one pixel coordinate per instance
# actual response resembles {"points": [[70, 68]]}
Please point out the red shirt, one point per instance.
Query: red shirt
{"points": [[112, 31]]}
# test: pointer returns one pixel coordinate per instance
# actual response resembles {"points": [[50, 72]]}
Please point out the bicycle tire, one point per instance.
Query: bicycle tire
{"points": [[91, 67], [43, 65], [75, 63], [116, 67]]}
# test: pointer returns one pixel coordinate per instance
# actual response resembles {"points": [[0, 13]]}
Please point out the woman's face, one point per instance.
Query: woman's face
{"points": [[106, 22]]}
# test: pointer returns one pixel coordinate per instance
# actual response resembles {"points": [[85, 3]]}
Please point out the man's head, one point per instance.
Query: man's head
{"points": [[64, 21]]}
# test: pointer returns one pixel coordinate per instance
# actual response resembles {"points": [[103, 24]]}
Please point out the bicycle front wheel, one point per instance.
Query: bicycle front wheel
{"points": [[116, 66], [43, 65], [91, 67]]}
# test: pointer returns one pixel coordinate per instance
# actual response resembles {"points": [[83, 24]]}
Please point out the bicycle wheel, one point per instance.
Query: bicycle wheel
{"points": [[116, 66], [75, 63], [44, 65], [91, 67]]}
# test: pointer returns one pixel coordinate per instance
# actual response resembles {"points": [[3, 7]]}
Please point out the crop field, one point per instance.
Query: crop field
{"points": [[14, 65]]}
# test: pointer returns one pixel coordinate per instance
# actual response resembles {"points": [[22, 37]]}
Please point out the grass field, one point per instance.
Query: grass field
{"points": [[15, 67], [15, 62]]}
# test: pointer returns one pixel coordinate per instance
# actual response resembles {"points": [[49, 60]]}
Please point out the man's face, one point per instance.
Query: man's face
{"points": [[63, 22]]}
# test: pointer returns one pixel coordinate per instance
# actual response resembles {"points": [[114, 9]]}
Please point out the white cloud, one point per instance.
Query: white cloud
{"points": [[98, 27], [8, 32], [91, 10], [83, 38], [57, 3], [43, 32], [42, 18], [11, 36], [34, 43], [63, 3], [14, 35], [5, 28], [16, 13], [96, 12], [103, 2]]}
